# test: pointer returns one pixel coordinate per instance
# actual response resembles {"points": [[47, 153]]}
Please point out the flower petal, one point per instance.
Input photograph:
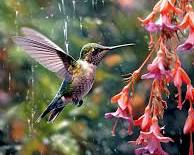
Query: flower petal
{"points": [[185, 78], [185, 47], [153, 27], [148, 19], [115, 98], [185, 23]]}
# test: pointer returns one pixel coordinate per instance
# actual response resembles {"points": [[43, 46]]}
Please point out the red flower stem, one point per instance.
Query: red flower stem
{"points": [[114, 127], [151, 94], [136, 74], [179, 98], [191, 144], [191, 105], [133, 77], [149, 55]]}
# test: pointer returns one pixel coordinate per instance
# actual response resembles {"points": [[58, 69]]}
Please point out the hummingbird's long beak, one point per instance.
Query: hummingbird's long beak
{"points": [[118, 46]]}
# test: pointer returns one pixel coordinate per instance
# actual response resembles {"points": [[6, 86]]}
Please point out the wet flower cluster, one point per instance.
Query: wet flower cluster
{"points": [[169, 21]]}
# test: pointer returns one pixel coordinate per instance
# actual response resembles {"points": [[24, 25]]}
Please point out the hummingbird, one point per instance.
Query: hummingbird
{"points": [[77, 75]]}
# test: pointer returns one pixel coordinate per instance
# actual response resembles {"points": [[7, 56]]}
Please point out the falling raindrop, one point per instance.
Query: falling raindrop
{"points": [[93, 3], [65, 35], [52, 32], [73, 2], [32, 70], [62, 1], [30, 120], [29, 127], [51, 15], [88, 152], [16, 21], [67, 47], [16, 13], [80, 23], [65, 30], [63, 6], [9, 78], [99, 125], [59, 6], [27, 95], [41, 8], [181, 141], [103, 2]]}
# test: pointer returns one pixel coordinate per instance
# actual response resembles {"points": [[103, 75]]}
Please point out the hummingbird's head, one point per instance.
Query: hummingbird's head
{"points": [[94, 53]]}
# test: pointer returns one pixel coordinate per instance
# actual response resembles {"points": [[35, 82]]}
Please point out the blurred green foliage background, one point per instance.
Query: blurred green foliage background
{"points": [[26, 87]]}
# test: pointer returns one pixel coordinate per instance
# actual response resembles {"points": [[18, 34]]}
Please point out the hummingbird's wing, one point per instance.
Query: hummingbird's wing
{"points": [[46, 52]]}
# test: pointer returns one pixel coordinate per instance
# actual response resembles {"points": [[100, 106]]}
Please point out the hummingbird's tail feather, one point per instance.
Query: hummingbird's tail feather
{"points": [[55, 113], [56, 106]]}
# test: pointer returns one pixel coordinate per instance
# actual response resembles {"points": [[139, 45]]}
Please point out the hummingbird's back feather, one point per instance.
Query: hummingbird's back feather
{"points": [[46, 52]]}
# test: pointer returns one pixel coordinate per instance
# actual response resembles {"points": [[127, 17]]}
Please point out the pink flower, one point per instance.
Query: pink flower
{"points": [[180, 77], [163, 23], [149, 142], [124, 110], [188, 21], [189, 124], [168, 5], [159, 67], [189, 127], [188, 45], [120, 114], [190, 93], [145, 120], [123, 99]]}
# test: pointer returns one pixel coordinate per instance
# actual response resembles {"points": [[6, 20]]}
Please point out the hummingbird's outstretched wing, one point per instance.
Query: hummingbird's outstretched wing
{"points": [[46, 52]]}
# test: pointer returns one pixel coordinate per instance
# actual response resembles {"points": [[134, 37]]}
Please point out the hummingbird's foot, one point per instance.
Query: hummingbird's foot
{"points": [[77, 102], [80, 103]]}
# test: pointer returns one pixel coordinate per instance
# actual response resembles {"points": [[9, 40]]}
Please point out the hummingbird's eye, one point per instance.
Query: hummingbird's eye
{"points": [[94, 51], [99, 50]]}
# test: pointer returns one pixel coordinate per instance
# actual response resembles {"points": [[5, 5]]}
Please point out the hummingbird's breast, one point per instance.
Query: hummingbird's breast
{"points": [[83, 79]]}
